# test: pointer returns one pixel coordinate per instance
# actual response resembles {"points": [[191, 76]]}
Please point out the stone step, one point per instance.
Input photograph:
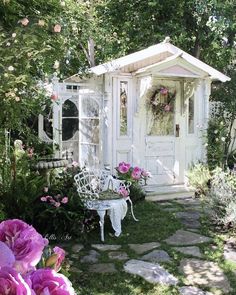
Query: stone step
{"points": [[155, 197]]}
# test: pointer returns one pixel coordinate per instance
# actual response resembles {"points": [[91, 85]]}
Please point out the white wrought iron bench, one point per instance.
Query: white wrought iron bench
{"points": [[102, 192]]}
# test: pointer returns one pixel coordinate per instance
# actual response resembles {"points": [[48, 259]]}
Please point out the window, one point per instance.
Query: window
{"points": [[47, 122], [70, 120], [191, 115], [123, 107]]}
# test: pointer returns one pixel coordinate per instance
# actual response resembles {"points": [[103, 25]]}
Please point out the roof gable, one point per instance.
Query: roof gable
{"points": [[154, 55]]}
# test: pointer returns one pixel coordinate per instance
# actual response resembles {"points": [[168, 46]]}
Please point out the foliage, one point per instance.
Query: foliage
{"points": [[218, 137], [199, 178], [221, 198], [61, 205]]}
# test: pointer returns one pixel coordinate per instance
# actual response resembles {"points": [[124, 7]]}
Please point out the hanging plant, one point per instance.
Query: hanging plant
{"points": [[161, 101]]}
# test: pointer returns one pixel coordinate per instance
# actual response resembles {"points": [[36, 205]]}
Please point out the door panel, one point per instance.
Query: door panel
{"points": [[161, 143]]}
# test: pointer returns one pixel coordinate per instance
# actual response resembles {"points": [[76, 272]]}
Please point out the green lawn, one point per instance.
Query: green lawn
{"points": [[154, 225]]}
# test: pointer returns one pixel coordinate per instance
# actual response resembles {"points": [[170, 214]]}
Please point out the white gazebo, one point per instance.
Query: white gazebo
{"points": [[148, 108]]}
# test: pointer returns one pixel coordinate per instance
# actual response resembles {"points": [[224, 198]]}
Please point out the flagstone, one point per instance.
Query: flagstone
{"points": [[106, 247], [102, 268], [204, 273], [92, 257], [230, 252], [189, 218], [191, 250], [157, 256], [151, 272], [145, 247], [183, 237], [77, 248], [192, 291], [118, 255]]}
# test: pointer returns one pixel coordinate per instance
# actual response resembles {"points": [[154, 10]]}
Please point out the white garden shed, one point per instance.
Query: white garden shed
{"points": [[148, 108]]}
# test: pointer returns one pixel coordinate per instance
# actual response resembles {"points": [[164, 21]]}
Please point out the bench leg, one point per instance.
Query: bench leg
{"points": [[101, 214]]}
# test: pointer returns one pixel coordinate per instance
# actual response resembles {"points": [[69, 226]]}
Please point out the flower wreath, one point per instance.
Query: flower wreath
{"points": [[161, 101]]}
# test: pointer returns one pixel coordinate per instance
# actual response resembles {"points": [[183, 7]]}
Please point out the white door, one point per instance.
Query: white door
{"points": [[163, 136]]}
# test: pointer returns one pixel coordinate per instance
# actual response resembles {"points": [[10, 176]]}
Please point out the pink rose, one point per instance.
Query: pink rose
{"points": [[24, 21], [146, 173], [48, 282], [57, 28], [60, 257], [57, 204], [54, 97], [64, 200], [24, 241], [123, 191], [43, 199], [123, 167], [167, 108], [164, 91], [136, 173], [45, 189], [7, 257], [11, 282]]}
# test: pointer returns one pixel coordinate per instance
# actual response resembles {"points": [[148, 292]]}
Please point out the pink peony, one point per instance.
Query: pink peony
{"points": [[48, 282], [146, 173], [123, 191], [123, 167], [7, 257], [57, 28], [24, 21], [136, 173], [64, 200], [24, 241], [12, 283], [60, 257]]}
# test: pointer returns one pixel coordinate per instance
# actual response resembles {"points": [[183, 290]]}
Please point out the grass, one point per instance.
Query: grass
{"points": [[154, 225]]}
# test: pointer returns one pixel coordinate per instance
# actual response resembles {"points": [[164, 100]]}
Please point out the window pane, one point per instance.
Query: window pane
{"points": [[90, 130], [69, 128], [161, 118], [90, 108], [89, 155], [69, 109], [191, 115], [123, 107], [47, 122]]}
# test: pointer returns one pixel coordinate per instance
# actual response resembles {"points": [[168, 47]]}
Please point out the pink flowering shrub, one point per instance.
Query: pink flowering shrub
{"points": [[21, 249], [136, 176]]}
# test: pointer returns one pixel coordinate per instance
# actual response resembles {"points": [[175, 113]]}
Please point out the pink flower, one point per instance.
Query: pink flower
{"points": [[30, 152], [146, 173], [123, 167], [24, 241], [60, 257], [136, 173], [48, 282], [64, 200], [7, 257], [43, 199], [54, 97], [167, 108], [24, 21], [164, 91], [123, 191], [11, 282], [57, 28], [57, 204], [74, 164]]}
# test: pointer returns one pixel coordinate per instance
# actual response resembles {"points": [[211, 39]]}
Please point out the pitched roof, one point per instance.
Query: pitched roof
{"points": [[153, 55]]}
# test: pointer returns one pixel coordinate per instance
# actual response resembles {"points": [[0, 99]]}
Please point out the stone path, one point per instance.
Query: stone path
{"points": [[152, 261]]}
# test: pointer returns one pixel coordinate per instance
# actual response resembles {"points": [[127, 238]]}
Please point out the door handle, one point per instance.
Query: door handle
{"points": [[177, 129]]}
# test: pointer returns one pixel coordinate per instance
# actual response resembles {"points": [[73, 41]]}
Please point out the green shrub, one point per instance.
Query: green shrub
{"points": [[199, 178], [222, 198]]}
